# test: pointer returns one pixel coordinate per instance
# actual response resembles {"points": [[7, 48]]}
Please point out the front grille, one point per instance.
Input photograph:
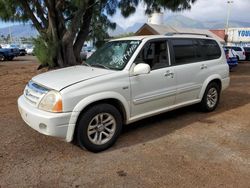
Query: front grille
{"points": [[33, 93]]}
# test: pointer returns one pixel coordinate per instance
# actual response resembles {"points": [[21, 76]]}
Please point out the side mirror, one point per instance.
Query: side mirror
{"points": [[141, 68]]}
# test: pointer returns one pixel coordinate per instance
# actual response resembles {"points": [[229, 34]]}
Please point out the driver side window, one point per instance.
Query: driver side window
{"points": [[154, 54]]}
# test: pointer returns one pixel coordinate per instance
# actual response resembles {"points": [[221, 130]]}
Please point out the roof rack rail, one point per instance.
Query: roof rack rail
{"points": [[171, 34]]}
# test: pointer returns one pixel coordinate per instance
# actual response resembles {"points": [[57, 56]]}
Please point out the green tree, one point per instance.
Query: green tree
{"points": [[64, 25]]}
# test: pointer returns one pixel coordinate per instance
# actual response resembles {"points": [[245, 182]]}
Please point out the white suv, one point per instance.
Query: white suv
{"points": [[126, 80]]}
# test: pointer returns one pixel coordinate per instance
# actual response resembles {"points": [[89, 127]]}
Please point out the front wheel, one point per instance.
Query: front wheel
{"points": [[99, 127], [210, 98]]}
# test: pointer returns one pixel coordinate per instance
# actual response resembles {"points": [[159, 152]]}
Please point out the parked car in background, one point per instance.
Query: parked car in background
{"points": [[8, 53], [240, 52], [86, 52], [22, 51], [30, 49], [231, 57], [247, 53], [126, 80]]}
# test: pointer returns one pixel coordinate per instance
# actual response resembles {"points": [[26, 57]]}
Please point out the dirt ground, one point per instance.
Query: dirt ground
{"points": [[183, 148]]}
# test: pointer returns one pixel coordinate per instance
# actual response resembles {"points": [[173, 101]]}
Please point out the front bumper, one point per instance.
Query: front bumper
{"points": [[52, 124]]}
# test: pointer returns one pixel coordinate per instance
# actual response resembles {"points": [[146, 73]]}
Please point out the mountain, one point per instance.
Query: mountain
{"points": [[26, 30], [22, 30], [221, 25], [183, 21], [118, 31], [133, 28]]}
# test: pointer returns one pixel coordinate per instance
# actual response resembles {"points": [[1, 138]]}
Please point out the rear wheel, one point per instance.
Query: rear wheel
{"points": [[99, 127], [210, 98]]}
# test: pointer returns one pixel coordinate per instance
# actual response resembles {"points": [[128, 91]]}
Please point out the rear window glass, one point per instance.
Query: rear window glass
{"points": [[195, 50]]}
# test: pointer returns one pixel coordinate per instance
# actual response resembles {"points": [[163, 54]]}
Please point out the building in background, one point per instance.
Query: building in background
{"points": [[238, 37], [154, 29]]}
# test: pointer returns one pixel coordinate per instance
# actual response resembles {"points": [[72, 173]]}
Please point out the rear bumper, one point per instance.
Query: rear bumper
{"points": [[47, 123], [225, 83]]}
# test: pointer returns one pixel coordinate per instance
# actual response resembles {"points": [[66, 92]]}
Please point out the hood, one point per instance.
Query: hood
{"points": [[61, 78]]}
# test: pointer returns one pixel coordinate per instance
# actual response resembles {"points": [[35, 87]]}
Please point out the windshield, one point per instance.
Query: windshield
{"points": [[114, 55]]}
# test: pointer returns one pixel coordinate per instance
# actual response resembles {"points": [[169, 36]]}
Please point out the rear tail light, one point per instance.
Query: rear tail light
{"points": [[227, 55]]}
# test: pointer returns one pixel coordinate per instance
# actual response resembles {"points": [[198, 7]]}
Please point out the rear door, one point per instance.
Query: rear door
{"points": [[193, 61]]}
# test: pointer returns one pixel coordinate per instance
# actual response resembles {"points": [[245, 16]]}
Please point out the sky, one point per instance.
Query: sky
{"points": [[202, 10]]}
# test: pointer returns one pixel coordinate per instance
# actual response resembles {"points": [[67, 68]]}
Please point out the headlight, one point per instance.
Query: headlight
{"points": [[51, 102]]}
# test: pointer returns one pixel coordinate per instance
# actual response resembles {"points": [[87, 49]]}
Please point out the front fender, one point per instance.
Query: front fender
{"points": [[89, 100]]}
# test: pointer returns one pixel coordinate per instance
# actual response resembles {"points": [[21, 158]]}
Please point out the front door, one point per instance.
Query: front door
{"points": [[153, 92]]}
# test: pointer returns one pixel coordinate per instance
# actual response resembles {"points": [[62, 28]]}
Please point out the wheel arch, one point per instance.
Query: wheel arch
{"points": [[214, 78], [111, 98]]}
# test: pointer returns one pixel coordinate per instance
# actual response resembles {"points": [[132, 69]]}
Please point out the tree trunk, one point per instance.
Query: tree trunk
{"points": [[84, 31]]}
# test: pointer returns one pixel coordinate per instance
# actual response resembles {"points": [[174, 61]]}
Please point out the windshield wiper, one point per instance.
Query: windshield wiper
{"points": [[100, 65]]}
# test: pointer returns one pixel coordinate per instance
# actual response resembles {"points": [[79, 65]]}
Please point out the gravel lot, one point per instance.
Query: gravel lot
{"points": [[183, 148]]}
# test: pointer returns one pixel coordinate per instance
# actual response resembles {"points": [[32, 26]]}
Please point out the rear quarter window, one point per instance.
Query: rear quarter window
{"points": [[210, 49], [194, 50]]}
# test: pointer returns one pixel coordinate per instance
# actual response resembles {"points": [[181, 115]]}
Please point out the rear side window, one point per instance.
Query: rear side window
{"points": [[210, 49], [194, 50], [184, 51], [247, 49]]}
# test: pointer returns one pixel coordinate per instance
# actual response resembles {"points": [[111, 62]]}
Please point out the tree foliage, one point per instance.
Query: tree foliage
{"points": [[64, 25]]}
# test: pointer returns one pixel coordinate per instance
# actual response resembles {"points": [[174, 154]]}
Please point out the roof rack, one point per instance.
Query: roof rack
{"points": [[171, 34]]}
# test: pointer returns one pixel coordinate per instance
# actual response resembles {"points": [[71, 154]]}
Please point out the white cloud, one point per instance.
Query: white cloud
{"points": [[202, 10], [208, 10]]}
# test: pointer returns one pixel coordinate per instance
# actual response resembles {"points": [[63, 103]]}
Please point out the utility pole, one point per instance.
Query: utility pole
{"points": [[228, 16]]}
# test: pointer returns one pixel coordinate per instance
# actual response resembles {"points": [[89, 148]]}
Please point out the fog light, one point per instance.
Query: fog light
{"points": [[42, 126]]}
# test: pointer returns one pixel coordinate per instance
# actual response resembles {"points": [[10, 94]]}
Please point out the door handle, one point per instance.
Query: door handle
{"points": [[203, 66], [169, 73]]}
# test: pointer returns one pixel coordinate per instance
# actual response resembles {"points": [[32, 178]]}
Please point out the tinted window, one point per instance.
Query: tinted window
{"points": [[210, 49], [155, 54], [237, 48], [247, 49], [184, 50], [195, 50]]}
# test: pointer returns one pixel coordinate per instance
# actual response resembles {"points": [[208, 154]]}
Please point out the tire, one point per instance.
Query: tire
{"points": [[10, 58], [93, 134], [210, 98], [2, 58]]}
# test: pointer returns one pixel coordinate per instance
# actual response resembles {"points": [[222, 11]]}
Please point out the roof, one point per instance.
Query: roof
{"points": [[163, 29]]}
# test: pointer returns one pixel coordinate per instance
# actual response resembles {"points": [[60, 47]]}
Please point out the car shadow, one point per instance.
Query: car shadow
{"points": [[161, 125]]}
